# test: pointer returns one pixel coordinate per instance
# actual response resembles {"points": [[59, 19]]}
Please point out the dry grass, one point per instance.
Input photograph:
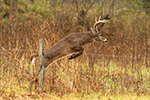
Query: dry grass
{"points": [[75, 80], [106, 71]]}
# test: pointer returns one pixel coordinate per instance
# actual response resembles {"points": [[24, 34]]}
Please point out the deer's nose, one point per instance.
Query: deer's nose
{"points": [[105, 40]]}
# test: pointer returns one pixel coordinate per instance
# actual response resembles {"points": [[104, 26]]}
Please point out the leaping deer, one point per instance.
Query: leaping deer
{"points": [[73, 44]]}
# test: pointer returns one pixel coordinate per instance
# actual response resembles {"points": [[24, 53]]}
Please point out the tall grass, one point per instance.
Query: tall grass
{"points": [[120, 66]]}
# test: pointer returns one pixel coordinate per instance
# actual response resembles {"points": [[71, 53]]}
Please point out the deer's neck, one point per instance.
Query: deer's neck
{"points": [[86, 38]]}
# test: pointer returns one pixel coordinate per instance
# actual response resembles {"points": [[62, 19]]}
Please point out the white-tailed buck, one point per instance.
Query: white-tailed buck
{"points": [[73, 44]]}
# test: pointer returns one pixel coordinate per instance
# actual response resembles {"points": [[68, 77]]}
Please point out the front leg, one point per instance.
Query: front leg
{"points": [[76, 54], [77, 49]]}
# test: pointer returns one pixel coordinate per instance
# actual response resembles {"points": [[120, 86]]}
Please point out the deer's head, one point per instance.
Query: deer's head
{"points": [[97, 36]]}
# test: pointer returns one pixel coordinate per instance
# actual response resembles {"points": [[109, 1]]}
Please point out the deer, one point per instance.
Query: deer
{"points": [[72, 45]]}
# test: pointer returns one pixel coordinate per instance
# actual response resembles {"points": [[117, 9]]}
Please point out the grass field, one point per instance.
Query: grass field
{"points": [[10, 89], [73, 96], [77, 80], [116, 70]]}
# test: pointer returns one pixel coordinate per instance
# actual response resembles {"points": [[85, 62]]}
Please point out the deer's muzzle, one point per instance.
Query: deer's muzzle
{"points": [[105, 40]]}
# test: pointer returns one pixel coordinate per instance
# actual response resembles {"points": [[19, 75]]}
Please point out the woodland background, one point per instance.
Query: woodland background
{"points": [[120, 66]]}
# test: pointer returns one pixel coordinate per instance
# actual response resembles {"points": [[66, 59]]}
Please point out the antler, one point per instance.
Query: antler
{"points": [[97, 22]]}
